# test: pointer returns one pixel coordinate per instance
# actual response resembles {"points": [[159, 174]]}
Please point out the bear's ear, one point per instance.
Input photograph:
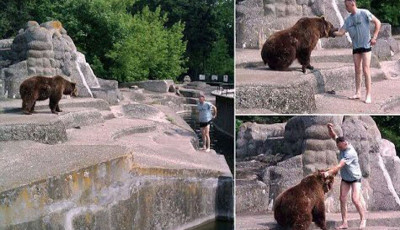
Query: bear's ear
{"points": [[323, 18]]}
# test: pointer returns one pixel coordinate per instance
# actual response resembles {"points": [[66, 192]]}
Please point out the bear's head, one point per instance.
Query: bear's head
{"points": [[326, 29], [71, 89], [326, 182]]}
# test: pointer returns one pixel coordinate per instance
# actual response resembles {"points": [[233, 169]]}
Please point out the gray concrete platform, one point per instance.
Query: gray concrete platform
{"points": [[375, 221], [109, 165], [264, 91]]}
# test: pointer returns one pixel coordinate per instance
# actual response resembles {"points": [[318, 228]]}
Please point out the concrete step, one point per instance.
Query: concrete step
{"points": [[389, 220], [250, 58], [14, 105], [281, 92], [44, 126], [263, 91]]}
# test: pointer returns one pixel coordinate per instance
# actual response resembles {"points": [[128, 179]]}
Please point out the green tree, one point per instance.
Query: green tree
{"points": [[219, 62], [206, 22], [386, 10], [150, 51]]}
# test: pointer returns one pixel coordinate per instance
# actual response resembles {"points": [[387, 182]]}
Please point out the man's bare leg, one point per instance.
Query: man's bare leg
{"points": [[203, 135], [344, 191], [355, 195], [357, 68], [366, 62], [207, 134]]}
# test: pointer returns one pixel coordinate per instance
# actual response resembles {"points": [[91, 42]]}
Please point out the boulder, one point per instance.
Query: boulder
{"points": [[46, 50], [160, 86], [108, 91], [251, 138], [251, 197]]}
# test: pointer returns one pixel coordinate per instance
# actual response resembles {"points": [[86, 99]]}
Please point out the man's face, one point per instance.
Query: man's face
{"points": [[342, 145], [349, 5], [201, 99]]}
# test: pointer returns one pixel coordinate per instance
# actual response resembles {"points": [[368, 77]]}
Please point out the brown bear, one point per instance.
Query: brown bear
{"points": [[39, 88], [302, 204], [283, 47]]}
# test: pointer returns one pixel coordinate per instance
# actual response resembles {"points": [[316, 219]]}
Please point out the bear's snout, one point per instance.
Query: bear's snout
{"points": [[333, 29]]}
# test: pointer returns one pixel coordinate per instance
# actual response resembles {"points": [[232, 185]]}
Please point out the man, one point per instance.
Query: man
{"points": [[350, 172], [205, 118], [357, 24]]}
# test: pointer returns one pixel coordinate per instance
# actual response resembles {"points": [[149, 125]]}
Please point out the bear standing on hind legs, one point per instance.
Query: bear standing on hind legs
{"points": [[297, 42], [40, 88]]}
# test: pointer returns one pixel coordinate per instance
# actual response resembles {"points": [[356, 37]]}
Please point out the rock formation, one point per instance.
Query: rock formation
{"points": [[47, 50], [305, 147]]}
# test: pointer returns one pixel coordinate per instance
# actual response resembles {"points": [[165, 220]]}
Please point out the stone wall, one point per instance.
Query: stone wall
{"points": [[306, 147]]}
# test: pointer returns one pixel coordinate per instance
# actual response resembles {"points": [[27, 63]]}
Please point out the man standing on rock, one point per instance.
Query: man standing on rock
{"points": [[357, 24], [205, 118], [350, 172]]}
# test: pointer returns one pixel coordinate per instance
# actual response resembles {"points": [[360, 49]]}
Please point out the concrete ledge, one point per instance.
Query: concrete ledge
{"points": [[46, 129], [111, 192], [14, 106], [81, 118], [275, 94]]}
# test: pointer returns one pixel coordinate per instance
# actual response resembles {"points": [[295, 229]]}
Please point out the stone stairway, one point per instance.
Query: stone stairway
{"points": [[375, 221], [323, 90], [115, 167]]}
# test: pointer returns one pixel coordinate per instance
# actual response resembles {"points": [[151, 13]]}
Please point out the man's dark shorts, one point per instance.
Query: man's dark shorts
{"points": [[361, 50], [204, 124], [351, 182]]}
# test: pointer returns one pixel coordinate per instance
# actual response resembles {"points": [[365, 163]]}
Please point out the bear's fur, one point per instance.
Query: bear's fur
{"points": [[39, 88], [283, 47], [302, 204]]}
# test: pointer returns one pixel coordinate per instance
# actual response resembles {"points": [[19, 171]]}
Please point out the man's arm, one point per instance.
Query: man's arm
{"points": [[215, 110], [340, 32], [332, 133], [335, 169], [377, 29]]}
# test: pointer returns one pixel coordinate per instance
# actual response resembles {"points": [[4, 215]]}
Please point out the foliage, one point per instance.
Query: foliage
{"points": [[386, 10], [150, 51], [390, 129], [207, 23], [219, 62]]}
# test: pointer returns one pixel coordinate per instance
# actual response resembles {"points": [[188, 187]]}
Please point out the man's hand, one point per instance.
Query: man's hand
{"points": [[332, 133], [373, 41]]}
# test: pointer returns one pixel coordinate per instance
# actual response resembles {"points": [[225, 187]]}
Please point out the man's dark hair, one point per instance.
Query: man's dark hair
{"points": [[340, 139]]}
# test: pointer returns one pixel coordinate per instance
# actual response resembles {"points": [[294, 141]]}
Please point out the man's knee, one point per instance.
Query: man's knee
{"points": [[343, 198], [366, 70]]}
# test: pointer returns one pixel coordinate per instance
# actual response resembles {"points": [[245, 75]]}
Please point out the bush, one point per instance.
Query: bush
{"points": [[150, 51]]}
